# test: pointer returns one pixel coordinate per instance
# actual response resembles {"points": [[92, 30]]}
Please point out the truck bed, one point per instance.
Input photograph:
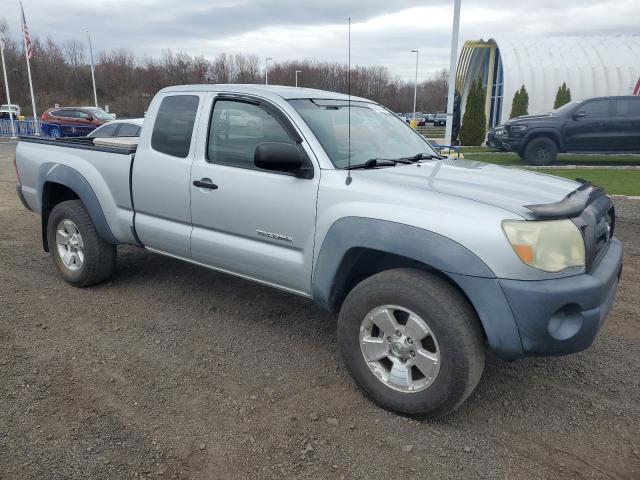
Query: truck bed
{"points": [[105, 170], [80, 142]]}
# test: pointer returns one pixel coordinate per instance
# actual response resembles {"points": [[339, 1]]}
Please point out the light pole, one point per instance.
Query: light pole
{"points": [[415, 86], [266, 70], [93, 73], [452, 71], [297, 72]]}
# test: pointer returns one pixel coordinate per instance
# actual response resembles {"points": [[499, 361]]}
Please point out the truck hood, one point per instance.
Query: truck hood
{"points": [[528, 118], [507, 188]]}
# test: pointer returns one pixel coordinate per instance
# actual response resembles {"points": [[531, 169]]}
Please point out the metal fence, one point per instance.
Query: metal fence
{"points": [[31, 127]]}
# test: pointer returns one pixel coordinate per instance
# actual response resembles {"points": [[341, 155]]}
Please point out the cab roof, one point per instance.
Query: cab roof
{"points": [[287, 93]]}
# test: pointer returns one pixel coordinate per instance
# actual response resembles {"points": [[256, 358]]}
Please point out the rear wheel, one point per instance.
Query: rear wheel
{"points": [[412, 342], [82, 257], [540, 151]]}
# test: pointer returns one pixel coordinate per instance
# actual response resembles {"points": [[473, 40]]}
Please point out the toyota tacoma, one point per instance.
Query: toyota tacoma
{"points": [[427, 261]]}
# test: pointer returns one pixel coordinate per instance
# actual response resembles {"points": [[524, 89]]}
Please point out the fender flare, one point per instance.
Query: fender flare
{"points": [[72, 179], [424, 246], [465, 269], [544, 131]]}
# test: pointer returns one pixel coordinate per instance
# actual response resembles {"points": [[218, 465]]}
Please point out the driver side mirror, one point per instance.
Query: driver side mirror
{"points": [[579, 114], [281, 157]]}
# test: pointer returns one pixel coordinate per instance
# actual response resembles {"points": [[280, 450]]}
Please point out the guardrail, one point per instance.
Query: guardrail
{"points": [[31, 127]]}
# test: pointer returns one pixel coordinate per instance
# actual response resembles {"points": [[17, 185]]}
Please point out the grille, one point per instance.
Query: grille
{"points": [[597, 223]]}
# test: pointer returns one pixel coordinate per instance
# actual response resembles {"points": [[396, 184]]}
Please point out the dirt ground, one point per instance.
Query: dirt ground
{"points": [[173, 371]]}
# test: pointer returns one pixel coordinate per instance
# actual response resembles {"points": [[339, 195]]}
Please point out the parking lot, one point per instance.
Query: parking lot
{"points": [[173, 371]]}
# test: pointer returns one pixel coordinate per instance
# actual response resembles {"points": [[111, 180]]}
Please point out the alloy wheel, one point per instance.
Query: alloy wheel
{"points": [[399, 348], [69, 244]]}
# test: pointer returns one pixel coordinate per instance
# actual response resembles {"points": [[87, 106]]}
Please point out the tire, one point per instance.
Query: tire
{"points": [[89, 259], [540, 151], [456, 337]]}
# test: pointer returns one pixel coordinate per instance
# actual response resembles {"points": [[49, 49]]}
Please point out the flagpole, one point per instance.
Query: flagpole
{"points": [[6, 86], [26, 54], [93, 74]]}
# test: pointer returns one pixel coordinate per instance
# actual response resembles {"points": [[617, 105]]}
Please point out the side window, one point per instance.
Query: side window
{"points": [[66, 113], [82, 115], [237, 128], [628, 107], [105, 131], [55, 113], [595, 109], [174, 125], [129, 130]]}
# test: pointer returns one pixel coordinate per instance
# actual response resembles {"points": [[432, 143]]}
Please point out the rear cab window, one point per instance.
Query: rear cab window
{"points": [[173, 127], [627, 107]]}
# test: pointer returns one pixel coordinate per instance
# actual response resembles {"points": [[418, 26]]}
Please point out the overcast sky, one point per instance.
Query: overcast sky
{"points": [[382, 33]]}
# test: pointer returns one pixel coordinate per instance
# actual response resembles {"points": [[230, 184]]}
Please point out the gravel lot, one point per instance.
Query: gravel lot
{"points": [[173, 371]]}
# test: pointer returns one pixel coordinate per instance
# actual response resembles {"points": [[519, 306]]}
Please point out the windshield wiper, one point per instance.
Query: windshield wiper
{"points": [[375, 162], [423, 156]]}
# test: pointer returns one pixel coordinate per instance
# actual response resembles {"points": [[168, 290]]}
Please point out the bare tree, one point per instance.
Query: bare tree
{"points": [[61, 74]]}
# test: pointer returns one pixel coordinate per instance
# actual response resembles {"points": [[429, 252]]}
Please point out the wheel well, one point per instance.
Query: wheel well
{"points": [[360, 263], [53, 194], [549, 135]]}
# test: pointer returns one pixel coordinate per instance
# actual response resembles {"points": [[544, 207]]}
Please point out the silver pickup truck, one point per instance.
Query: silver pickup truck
{"points": [[429, 261]]}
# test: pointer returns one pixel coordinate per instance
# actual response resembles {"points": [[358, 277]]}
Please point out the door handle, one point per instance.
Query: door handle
{"points": [[205, 183]]}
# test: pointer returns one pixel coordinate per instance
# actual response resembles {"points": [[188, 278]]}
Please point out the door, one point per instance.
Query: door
{"points": [[161, 174], [247, 221], [589, 127], [627, 123]]}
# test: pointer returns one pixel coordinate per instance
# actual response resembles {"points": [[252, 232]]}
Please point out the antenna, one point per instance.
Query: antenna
{"points": [[349, 179]]}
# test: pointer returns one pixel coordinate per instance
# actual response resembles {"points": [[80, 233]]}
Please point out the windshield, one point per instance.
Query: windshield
{"points": [[100, 114], [564, 108], [6, 107], [375, 131]]}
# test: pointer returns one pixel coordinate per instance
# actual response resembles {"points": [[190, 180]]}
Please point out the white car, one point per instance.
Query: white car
{"points": [[7, 110], [118, 128]]}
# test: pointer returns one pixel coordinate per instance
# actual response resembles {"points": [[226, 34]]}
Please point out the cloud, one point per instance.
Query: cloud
{"points": [[383, 31]]}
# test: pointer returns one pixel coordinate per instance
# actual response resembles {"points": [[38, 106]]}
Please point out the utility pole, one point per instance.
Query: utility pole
{"points": [[452, 71], [297, 72], [415, 86]]}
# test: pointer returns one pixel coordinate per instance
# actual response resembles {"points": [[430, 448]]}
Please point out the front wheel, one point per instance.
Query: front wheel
{"points": [[82, 257], [412, 342], [540, 151]]}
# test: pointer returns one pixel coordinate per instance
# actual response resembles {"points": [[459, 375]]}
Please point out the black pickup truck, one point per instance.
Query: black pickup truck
{"points": [[603, 124]]}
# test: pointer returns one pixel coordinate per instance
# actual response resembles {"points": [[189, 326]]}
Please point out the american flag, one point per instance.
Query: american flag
{"points": [[25, 32]]}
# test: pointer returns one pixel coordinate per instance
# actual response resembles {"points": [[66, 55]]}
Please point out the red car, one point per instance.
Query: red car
{"points": [[87, 117]]}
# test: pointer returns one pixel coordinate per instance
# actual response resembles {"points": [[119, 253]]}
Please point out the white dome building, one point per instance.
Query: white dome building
{"points": [[590, 66]]}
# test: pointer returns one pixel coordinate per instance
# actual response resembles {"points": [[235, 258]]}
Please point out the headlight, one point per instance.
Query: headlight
{"points": [[550, 245], [517, 129]]}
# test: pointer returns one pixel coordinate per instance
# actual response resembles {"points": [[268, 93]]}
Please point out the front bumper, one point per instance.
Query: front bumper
{"points": [[511, 144], [561, 316], [545, 317]]}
